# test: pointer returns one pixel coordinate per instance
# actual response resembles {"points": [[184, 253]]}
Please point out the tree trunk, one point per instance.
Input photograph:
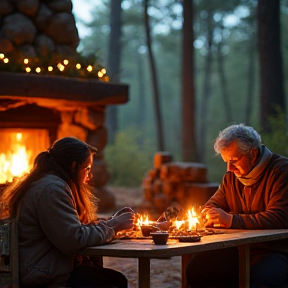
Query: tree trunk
{"points": [[156, 94], [113, 64], [271, 74], [250, 84], [142, 102], [223, 84], [189, 145], [206, 89]]}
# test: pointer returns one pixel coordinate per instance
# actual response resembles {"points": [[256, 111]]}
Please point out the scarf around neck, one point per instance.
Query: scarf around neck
{"points": [[253, 176]]}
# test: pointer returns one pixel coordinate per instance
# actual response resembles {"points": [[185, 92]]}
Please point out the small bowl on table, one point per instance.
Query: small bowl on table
{"points": [[160, 237], [148, 229]]}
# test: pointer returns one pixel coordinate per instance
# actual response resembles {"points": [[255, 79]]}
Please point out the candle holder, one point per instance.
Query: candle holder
{"points": [[160, 237], [147, 229]]}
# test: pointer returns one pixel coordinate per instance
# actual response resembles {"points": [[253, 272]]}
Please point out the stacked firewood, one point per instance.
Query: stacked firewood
{"points": [[168, 183]]}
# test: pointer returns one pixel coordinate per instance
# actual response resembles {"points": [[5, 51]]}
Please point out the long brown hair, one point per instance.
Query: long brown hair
{"points": [[56, 160]]}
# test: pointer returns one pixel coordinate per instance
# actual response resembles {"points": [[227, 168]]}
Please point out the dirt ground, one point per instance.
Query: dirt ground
{"points": [[165, 273]]}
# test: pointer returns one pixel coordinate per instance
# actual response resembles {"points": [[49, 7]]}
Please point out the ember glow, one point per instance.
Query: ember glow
{"points": [[15, 162]]}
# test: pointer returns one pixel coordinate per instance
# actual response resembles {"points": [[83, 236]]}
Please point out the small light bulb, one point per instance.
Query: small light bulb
{"points": [[89, 68], [100, 74], [50, 68], [38, 70], [26, 61], [2, 56], [78, 66], [28, 69], [5, 60], [60, 67], [65, 62]]}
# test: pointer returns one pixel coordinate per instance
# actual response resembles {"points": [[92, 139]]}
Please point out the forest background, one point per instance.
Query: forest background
{"points": [[226, 79]]}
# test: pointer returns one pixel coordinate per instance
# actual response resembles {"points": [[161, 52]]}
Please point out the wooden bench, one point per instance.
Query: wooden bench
{"points": [[9, 263]]}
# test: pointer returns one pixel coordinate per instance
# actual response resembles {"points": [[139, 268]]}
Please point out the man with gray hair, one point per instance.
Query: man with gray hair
{"points": [[253, 194]]}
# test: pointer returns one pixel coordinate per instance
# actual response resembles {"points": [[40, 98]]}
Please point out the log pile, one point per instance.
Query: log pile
{"points": [[185, 183]]}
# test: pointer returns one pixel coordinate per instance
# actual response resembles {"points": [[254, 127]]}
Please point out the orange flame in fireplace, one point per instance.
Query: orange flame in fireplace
{"points": [[16, 161]]}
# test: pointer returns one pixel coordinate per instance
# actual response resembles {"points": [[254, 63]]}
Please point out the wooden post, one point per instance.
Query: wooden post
{"points": [[185, 260], [144, 272], [244, 266]]}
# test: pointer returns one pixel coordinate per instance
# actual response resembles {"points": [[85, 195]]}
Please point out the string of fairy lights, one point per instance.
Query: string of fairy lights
{"points": [[65, 67]]}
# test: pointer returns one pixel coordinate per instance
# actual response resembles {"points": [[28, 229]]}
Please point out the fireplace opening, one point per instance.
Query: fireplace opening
{"points": [[18, 149]]}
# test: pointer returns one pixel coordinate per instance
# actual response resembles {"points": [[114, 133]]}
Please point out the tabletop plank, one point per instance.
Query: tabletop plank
{"points": [[135, 248], [145, 249]]}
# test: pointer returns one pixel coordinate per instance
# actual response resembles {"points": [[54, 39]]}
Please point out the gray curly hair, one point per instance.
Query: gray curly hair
{"points": [[245, 137]]}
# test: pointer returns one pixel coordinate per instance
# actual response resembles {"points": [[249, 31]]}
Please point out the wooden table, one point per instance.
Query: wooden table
{"points": [[145, 250]]}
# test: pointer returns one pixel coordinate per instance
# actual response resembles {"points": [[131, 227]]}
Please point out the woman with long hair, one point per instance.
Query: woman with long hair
{"points": [[57, 217]]}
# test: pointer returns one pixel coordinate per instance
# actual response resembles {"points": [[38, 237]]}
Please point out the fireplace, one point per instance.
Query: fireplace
{"points": [[36, 110]]}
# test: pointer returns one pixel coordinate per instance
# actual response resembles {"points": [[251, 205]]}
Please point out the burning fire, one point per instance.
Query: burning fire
{"points": [[143, 220], [190, 222], [15, 162]]}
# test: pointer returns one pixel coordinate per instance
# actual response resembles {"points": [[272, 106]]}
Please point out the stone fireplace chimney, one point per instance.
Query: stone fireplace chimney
{"points": [[38, 27], [61, 106]]}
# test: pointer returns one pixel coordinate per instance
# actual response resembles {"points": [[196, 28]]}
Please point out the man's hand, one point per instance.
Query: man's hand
{"points": [[216, 217]]}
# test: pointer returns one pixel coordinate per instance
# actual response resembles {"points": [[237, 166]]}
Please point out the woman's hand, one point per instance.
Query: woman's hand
{"points": [[123, 210], [123, 220], [216, 217]]}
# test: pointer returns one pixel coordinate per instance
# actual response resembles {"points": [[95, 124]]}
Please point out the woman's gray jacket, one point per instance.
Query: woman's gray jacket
{"points": [[50, 233]]}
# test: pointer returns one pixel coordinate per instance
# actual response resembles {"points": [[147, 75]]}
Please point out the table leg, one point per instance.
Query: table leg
{"points": [[144, 272], [244, 266], [185, 258]]}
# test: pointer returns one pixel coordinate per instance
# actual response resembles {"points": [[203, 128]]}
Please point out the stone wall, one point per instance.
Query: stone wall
{"points": [[88, 125], [38, 27]]}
